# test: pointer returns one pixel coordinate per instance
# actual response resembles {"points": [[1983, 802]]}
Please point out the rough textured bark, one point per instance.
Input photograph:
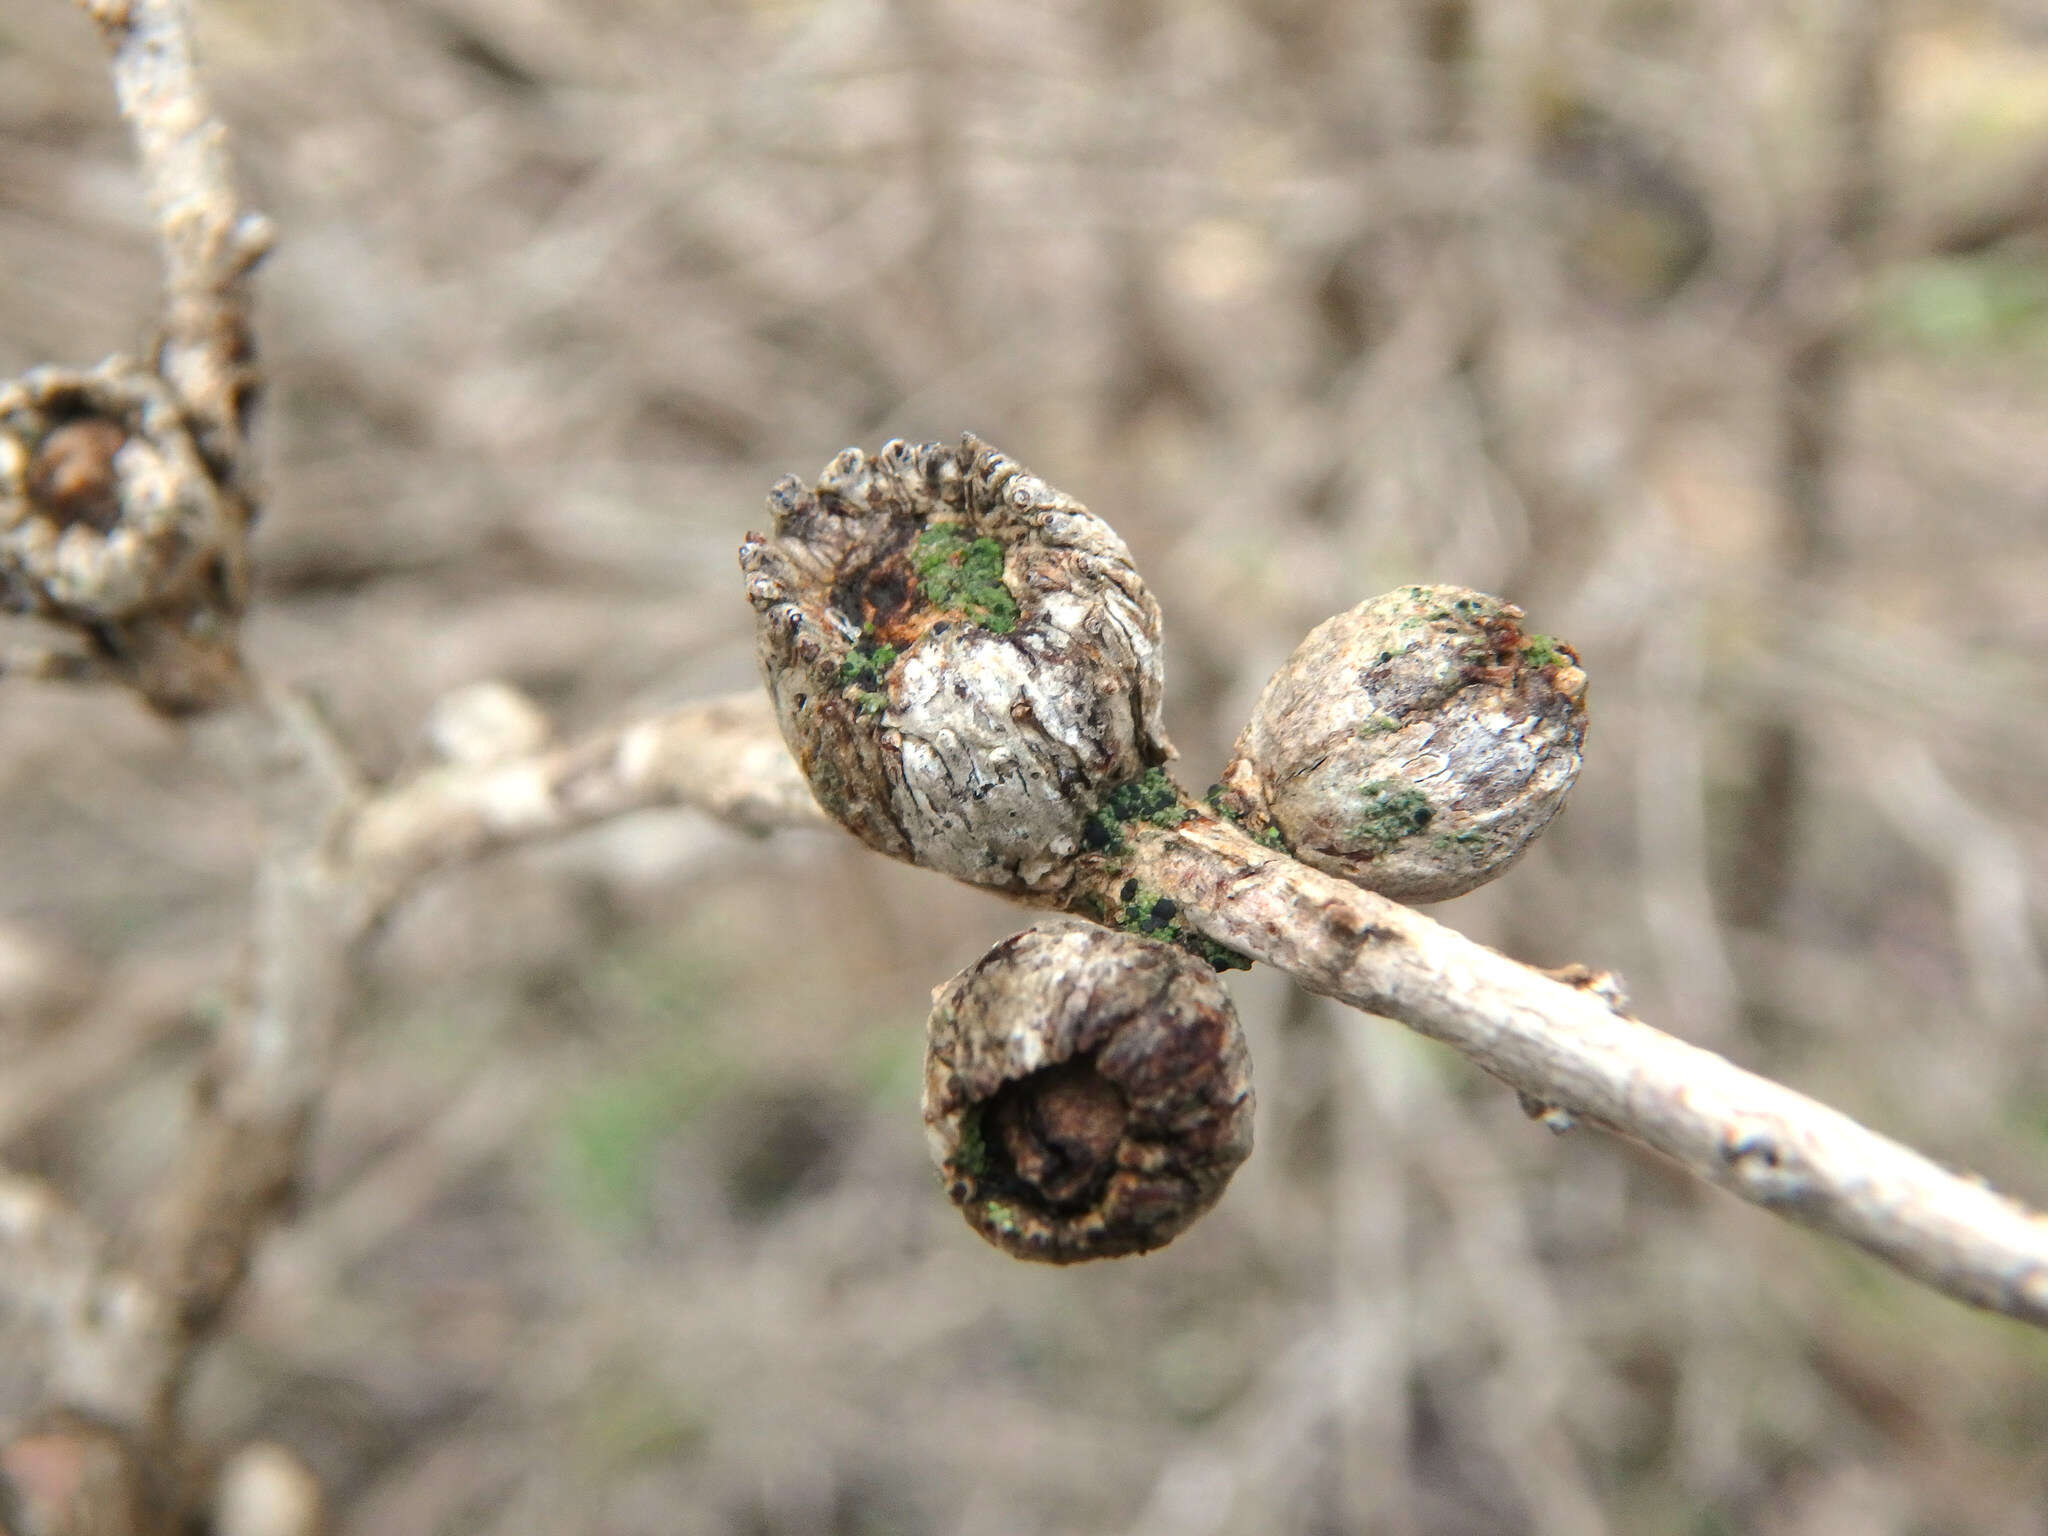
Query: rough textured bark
{"points": [[1566, 1049], [1561, 1043], [210, 243]]}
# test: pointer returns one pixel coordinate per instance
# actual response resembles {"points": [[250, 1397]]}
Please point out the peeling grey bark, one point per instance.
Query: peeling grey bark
{"points": [[966, 713]]}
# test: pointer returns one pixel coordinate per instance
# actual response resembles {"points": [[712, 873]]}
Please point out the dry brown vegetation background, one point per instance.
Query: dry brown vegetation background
{"points": [[1714, 335]]}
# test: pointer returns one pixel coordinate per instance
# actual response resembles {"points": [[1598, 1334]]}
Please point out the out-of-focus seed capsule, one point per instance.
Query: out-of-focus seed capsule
{"points": [[963, 659], [111, 524], [1087, 1093], [1414, 745]]}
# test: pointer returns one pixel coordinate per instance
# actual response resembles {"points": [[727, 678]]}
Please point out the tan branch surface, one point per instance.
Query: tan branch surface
{"points": [[722, 756], [236, 1167], [209, 242], [337, 858], [1558, 1044], [113, 1333], [1564, 1046]]}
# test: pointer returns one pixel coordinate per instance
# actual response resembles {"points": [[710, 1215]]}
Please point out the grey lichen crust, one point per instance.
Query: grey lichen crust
{"points": [[1087, 1093], [1414, 745], [111, 524], [963, 659]]}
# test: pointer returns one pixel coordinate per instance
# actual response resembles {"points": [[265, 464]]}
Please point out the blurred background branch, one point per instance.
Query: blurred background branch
{"points": [[607, 1232]]}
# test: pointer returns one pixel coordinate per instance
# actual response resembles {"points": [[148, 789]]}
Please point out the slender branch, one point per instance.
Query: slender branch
{"points": [[1565, 1048], [238, 1162], [337, 862], [336, 859], [331, 873], [209, 243], [105, 1337], [1562, 1046], [722, 756]]}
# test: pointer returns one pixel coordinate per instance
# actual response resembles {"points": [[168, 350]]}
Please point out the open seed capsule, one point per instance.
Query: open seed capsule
{"points": [[1087, 1093], [963, 659]]}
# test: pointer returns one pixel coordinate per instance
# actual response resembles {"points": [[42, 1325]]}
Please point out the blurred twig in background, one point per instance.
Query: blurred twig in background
{"points": [[1591, 303]]}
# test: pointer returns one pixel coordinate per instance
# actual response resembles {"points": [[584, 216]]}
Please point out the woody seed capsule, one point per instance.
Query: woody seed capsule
{"points": [[110, 524], [1414, 745], [1087, 1093], [963, 659]]}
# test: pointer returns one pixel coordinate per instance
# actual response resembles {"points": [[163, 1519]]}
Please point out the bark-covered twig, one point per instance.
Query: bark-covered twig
{"points": [[271, 1057], [111, 1330], [722, 756], [124, 506], [210, 243], [967, 695], [1561, 1045], [336, 859], [1565, 1047], [125, 490]]}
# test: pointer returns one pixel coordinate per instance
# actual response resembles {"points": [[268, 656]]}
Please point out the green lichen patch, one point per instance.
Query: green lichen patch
{"points": [[971, 1155], [866, 671], [964, 576], [1393, 809], [1378, 725], [1152, 796], [1220, 957], [1542, 651], [867, 665], [1147, 912]]}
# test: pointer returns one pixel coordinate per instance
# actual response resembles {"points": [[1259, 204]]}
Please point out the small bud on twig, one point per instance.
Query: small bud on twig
{"points": [[1414, 745], [963, 659], [111, 525], [1087, 1093], [483, 723]]}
